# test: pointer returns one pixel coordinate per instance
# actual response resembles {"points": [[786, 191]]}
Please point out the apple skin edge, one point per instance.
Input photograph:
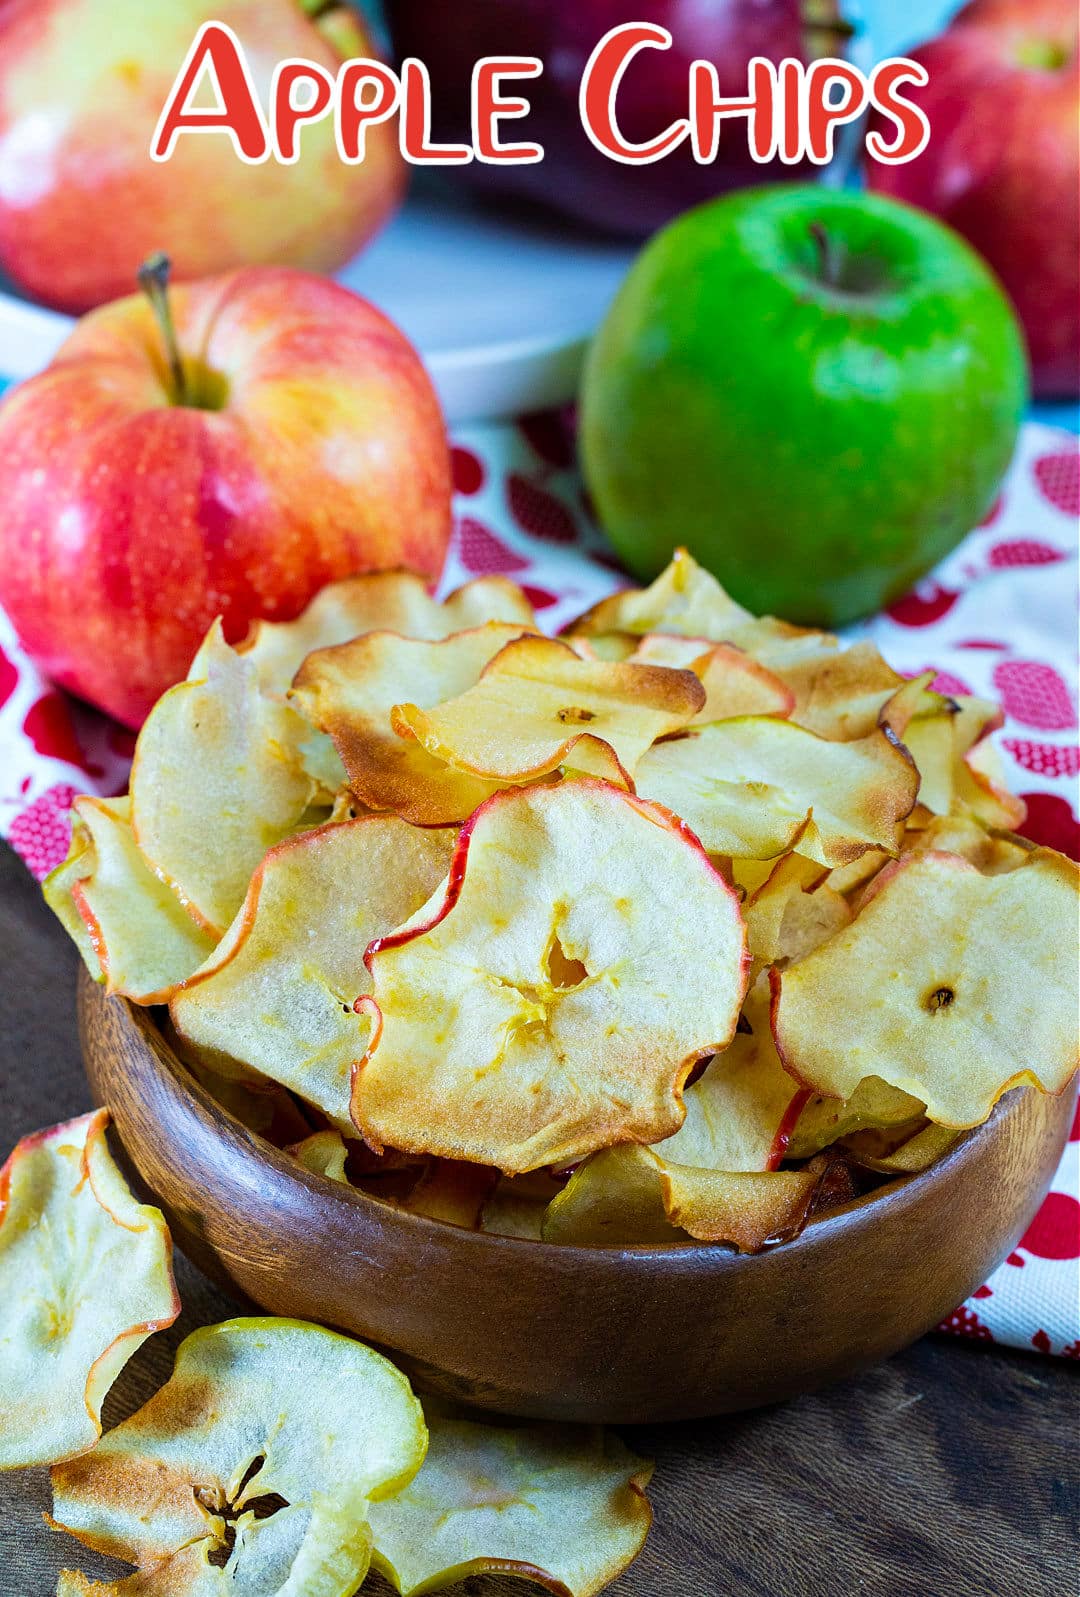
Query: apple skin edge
{"points": [[131, 522], [816, 445]]}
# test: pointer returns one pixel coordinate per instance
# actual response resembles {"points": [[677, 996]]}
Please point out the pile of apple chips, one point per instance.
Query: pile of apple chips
{"points": [[682, 925]]}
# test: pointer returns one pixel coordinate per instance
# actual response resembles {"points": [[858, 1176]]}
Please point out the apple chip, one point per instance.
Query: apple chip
{"points": [[258, 1457], [323, 1153], [757, 787], [557, 991], [384, 601], [873, 1106], [85, 1277], [562, 1505], [767, 905], [734, 683], [914, 1153], [629, 1195], [517, 1205], [538, 706], [217, 779], [844, 691], [277, 994], [138, 939], [349, 691], [685, 599], [953, 986], [989, 851], [739, 1111], [452, 1192]]}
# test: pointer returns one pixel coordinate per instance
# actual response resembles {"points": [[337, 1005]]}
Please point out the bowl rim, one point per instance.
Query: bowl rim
{"points": [[674, 1256]]}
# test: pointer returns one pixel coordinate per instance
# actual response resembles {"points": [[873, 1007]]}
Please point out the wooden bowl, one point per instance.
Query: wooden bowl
{"points": [[628, 1335]]}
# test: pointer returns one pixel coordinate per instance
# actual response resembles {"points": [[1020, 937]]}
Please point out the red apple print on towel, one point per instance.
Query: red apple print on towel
{"points": [[983, 1292], [538, 512], [48, 726], [1055, 1231], [540, 598], [1035, 695], [923, 607], [1044, 759], [1023, 552], [1051, 822], [468, 470], [1058, 476], [945, 682], [121, 741], [1071, 1351], [482, 553], [550, 437], [965, 1322], [42, 832], [1041, 1342], [9, 677]]}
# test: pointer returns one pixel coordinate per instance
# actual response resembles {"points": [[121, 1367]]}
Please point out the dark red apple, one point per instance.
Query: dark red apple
{"points": [[574, 177], [1003, 163]]}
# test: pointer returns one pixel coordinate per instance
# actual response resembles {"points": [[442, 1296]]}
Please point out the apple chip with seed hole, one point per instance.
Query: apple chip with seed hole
{"points": [[956, 986], [277, 994], [85, 1277], [383, 601], [562, 1505], [538, 706], [556, 992], [261, 1454], [350, 691], [757, 787], [632, 1195], [135, 936], [217, 780]]}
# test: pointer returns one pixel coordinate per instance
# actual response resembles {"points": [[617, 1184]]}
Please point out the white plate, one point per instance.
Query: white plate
{"points": [[500, 310]]}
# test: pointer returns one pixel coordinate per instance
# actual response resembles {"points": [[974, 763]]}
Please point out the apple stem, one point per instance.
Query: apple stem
{"points": [[828, 255], [154, 282]]}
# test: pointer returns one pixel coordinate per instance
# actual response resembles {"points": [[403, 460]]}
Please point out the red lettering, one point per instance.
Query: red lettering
{"points": [[911, 121], [356, 111], [600, 88], [823, 115], [488, 105], [415, 123], [708, 110], [288, 116], [217, 52]]}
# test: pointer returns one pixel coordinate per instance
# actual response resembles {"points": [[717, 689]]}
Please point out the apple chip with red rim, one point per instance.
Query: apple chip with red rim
{"points": [[261, 1454], [757, 787], [539, 706], [555, 994], [384, 601], [949, 985], [277, 994], [85, 1277], [218, 777], [350, 691], [134, 934], [560, 1505]]}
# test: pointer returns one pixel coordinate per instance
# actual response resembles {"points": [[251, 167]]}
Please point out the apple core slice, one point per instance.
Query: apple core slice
{"points": [[277, 994], [555, 993], [560, 1505], [85, 1277], [259, 1456], [949, 985]]}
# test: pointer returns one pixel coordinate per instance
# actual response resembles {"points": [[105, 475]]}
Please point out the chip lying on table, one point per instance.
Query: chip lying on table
{"points": [[679, 928]]}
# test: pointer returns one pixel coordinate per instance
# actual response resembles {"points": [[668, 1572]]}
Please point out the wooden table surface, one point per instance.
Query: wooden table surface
{"points": [[952, 1471]]}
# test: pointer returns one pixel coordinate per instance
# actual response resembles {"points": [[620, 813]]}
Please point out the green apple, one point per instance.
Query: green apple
{"points": [[816, 392]]}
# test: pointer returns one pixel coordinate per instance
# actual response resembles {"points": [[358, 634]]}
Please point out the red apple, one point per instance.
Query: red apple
{"points": [[1003, 163], [300, 442], [82, 83], [574, 177]]}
